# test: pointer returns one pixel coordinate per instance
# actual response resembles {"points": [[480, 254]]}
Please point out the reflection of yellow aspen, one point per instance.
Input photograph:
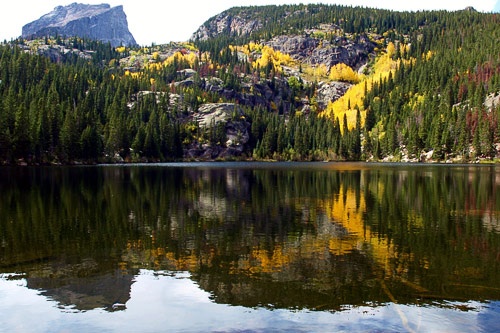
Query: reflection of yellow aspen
{"points": [[264, 263], [345, 210]]}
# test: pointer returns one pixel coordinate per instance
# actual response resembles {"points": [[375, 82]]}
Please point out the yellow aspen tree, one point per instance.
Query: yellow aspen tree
{"points": [[342, 72]]}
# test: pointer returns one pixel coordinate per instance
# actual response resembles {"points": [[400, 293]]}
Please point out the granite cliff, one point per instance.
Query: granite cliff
{"points": [[101, 22]]}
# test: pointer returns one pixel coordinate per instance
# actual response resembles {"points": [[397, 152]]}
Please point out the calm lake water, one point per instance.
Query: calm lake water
{"points": [[250, 247]]}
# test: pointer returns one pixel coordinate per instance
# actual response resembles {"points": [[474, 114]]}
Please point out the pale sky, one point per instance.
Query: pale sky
{"points": [[161, 21]]}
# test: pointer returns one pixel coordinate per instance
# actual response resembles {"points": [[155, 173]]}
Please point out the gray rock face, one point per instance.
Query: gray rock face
{"points": [[230, 114], [313, 51], [236, 126], [216, 112], [330, 92], [222, 23], [100, 22]]}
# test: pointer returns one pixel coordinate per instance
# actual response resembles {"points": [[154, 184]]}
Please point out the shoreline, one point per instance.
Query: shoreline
{"points": [[22, 163]]}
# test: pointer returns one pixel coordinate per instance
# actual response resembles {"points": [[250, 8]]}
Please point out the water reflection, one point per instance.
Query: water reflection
{"points": [[324, 237], [163, 301], [82, 290]]}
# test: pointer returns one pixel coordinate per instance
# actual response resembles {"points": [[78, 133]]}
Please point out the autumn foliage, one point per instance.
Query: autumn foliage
{"points": [[344, 73]]}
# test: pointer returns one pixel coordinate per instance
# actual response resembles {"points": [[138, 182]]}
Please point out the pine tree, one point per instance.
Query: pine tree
{"points": [[70, 144], [22, 136]]}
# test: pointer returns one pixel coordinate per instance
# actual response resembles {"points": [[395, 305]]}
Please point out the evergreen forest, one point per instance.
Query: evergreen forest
{"points": [[410, 86]]}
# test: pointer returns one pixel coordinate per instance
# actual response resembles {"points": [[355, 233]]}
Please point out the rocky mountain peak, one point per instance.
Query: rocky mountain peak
{"points": [[101, 22]]}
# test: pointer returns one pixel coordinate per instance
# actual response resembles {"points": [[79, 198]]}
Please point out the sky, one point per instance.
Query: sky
{"points": [[161, 21]]}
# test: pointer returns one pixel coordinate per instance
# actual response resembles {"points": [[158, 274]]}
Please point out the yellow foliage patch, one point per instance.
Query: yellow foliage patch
{"points": [[342, 72], [190, 57], [190, 46], [273, 57], [133, 75], [353, 98], [428, 55]]}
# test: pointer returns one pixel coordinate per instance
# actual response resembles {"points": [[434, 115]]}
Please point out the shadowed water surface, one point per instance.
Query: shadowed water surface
{"points": [[245, 247]]}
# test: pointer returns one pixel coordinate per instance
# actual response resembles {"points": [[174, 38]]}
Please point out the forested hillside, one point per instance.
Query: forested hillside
{"points": [[298, 82]]}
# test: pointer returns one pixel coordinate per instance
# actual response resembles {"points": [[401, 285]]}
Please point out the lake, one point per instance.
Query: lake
{"points": [[250, 247]]}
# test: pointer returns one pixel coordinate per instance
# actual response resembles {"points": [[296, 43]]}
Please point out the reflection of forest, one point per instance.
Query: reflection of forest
{"points": [[319, 238]]}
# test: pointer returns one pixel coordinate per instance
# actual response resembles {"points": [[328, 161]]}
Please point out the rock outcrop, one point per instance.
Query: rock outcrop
{"points": [[100, 22], [228, 24], [492, 101], [330, 92], [236, 127], [315, 51]]}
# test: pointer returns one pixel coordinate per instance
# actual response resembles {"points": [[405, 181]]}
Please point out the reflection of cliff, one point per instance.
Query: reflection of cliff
{"points": [[81, 286]]}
